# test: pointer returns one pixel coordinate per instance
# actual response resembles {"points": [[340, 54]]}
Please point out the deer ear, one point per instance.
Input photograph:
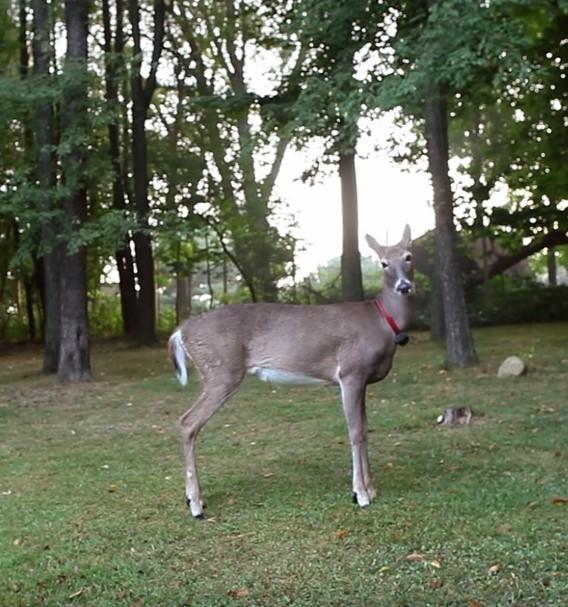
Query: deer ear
{"points": [[406, 238], [379, 250]]}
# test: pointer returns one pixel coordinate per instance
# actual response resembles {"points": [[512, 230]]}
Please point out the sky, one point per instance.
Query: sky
{"points": [[389, 197]]}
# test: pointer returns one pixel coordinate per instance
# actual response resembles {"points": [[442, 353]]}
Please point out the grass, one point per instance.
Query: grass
{"points": [[91, 495]]}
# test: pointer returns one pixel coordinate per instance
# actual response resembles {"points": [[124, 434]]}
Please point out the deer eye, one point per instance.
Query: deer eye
{"points": [[385, 264], [408, 257]]}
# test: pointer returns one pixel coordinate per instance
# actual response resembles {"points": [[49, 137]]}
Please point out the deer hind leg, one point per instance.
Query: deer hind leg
{"points": [[216, 390], [353, 398]]}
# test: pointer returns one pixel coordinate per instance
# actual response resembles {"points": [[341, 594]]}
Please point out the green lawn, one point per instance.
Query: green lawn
{"points": [[91, 486]]}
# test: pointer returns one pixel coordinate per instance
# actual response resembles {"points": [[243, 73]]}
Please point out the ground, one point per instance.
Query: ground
{"points": [[91, 486]]}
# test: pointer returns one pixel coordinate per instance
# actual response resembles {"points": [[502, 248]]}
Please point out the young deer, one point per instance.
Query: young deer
{"points": [[347, 344]]}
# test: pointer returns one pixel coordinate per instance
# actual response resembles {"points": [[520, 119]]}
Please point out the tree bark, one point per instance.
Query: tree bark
{"points": [[460, 348], [74, 356], [551, 267], [123, 255], [351, 277], [141, 93], [46, 177]]}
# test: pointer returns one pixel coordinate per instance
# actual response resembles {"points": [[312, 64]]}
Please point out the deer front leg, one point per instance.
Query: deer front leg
{"points": [[353, 398]]}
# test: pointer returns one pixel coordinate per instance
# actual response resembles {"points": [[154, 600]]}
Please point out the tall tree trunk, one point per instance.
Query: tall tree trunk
{"points": [[74, 357], [28, 150], [460, 349], [141, 93], [551, 266], [46, 177], [351, 278], [123, 255]]}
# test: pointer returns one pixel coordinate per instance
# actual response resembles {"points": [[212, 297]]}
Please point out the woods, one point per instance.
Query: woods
{"points": [[141, 143]]}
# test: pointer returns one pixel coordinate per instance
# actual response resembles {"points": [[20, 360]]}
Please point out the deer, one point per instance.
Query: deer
{"points": [[349, 344]]}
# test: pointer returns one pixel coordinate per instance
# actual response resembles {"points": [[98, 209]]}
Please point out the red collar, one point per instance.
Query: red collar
{"points": [[401, 338], [385, 313]]}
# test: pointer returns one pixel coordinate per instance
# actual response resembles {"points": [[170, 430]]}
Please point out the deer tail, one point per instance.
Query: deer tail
{"points": [[178, 355]]}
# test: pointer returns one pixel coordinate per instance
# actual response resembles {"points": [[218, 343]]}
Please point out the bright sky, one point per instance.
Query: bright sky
{"points": [[389, 197]]}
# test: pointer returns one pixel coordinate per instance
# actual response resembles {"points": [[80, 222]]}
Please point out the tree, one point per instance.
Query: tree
{"points": [[74, 356], [240, 125], [114, 63], [141, 95], [510, 131], [46, 175], [332, 100], [459, 341], [429, 70]]}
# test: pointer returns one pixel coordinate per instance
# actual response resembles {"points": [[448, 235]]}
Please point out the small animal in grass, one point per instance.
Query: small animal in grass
{"points": [[455, 416]]}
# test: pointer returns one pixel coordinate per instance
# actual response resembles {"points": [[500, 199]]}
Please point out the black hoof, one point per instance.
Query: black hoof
{"points": [[200, 517], [354, 498], [187, 502]]}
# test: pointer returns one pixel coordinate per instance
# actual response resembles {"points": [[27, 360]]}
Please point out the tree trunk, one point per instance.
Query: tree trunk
{"points": [[460, 349], [351, 278], [74, 357], [46, 177], [141, 95], [123, 255], [551, 267]]}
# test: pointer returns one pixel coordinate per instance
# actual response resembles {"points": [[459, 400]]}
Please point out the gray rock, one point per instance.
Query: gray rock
{"points": [[513, 366]]}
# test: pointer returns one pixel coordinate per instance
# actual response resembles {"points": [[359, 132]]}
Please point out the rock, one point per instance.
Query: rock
{"points": [[513, 366]]}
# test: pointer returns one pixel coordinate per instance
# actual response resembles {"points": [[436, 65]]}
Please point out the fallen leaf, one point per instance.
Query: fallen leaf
{"points": [[474, 603], [239, 593], [436, 564], [301, 461], [559, 501], [434, 584], [494, 569], [414, 556], [341, 534], [121, 594], [268, 474]]}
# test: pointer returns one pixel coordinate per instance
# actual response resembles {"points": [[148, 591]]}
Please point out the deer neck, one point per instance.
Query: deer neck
{"points": [[398, 306]]}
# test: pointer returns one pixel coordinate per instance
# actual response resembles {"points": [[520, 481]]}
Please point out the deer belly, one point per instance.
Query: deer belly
{"points": [[280, 376]]}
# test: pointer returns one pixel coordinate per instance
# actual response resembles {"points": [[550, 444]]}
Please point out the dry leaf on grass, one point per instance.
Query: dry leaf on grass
{"points": [[474, 603], [414, 556], [239, 593], [560, 501], [494, 569], [341, 534]]}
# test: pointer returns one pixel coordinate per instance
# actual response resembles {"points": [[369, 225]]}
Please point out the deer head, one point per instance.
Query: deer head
{"points": [[396, 261]]}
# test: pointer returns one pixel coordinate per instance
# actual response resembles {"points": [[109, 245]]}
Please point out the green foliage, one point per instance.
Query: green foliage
{"points": [[512, 301]]}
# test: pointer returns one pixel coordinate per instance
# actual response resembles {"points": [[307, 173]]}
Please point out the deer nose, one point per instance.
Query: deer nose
{"points": [[403, 286]]}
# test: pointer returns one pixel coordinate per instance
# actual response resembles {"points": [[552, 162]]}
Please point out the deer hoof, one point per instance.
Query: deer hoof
{"points": [[199, 517], [361, 500]]}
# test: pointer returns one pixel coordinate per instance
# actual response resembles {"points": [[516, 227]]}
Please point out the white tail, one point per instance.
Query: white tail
{"points": [[347, 344], [178, 355]]}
